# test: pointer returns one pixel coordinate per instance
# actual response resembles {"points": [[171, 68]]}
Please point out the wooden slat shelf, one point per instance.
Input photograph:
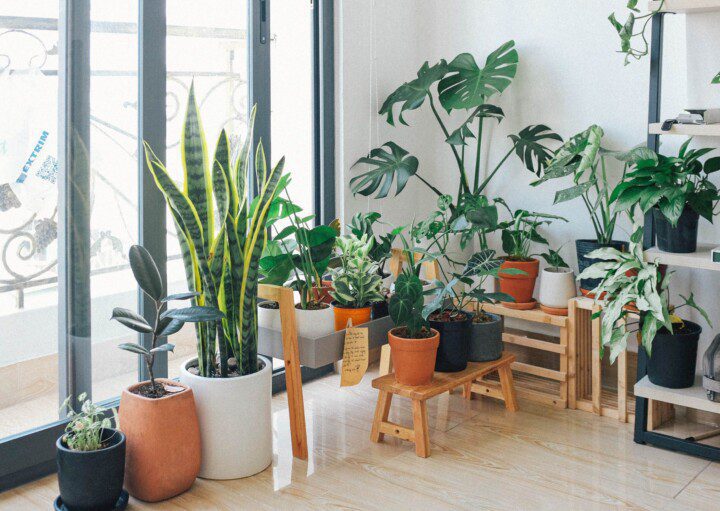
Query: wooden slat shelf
{"points": [[689, 130], [534, 315], [700, 259], [527, 386], [686, 6], [693, 397]]}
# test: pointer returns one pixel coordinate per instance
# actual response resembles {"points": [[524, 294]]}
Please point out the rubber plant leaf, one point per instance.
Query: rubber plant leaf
{"points": [[131, 320], [146, 272], [386, 166]]}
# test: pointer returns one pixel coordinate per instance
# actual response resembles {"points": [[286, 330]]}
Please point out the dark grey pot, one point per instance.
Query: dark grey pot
{"points": [[486, 340]]}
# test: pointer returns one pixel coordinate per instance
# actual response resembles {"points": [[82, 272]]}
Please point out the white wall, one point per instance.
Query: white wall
{"points": [[569, 77]]}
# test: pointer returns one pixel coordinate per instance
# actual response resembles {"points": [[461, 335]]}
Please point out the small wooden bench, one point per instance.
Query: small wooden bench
{"points": [[442, 382]]}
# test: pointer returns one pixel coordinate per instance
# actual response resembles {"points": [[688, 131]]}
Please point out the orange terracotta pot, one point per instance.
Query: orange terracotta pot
{"points": [[358, 316], [520, 287], [413, 359], [163, 442]]}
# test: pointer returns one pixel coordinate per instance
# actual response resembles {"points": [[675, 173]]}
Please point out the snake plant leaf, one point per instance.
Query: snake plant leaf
{"points": [[225, 196], [411, 95], [134, 348], [194, 314], [468, 86], [198, 182], [168, 326], [385, 166], [181, 296], [131, 320], [242, 162], [146, 272], [530, 148]]}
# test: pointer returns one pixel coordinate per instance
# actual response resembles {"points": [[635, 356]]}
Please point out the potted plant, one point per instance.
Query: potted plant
{"points": [[232, 384], [356, 282], [628, 285], [518, 235], [298, 256], [678, 190], [90, 459], [557, 284], [158, 415], [413, 344], [583, 158]]}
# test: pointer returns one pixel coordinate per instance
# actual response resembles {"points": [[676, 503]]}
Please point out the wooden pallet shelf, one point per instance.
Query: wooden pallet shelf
{"points": [[688, 130], [686, 6], [700, 259]]}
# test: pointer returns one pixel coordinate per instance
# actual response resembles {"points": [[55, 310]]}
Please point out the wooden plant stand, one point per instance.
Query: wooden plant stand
{"points": [[532, 382], [442, 382]]}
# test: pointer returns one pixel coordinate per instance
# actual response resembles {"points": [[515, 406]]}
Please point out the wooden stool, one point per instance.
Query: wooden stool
{"points": [[442, 382]]}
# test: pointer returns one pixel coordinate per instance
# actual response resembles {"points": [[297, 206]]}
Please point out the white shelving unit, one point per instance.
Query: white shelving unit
{"points": [[699, 260], [686, 6], [688, 130], [692, 397]]}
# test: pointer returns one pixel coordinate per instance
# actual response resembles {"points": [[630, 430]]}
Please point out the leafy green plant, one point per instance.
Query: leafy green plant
{"points": [[167, 322], [356, 282], [670, 183], [222, 261], [554, 259], [458, 85], [84, 431], [632, 285], [583, 158], [362, 224], [521, 231], [406, 304]]}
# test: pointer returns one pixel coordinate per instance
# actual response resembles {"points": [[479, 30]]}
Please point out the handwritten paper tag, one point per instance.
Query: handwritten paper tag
{"points": [[355, 356]]}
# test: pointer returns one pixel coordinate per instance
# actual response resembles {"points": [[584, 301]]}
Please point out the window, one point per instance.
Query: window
{"points": [[82, 82]]}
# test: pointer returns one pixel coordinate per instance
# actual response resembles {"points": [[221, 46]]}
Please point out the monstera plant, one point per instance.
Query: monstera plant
{"points": [[458, 85]]}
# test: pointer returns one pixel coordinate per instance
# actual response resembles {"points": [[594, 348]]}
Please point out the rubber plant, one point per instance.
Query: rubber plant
{"points": [[222, 260], [459, 85]]}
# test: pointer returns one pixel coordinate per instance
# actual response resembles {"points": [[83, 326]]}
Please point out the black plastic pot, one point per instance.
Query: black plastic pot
{"points": [[584, 247], [380, 309], [486, 340], [92, 480], [673, 359], [454, 348], [681, 239]]}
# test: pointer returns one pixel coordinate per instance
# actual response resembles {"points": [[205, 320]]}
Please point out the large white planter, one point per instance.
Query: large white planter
{"points": [[235, 422], [312, 324], [268, 318], [557, 287]]}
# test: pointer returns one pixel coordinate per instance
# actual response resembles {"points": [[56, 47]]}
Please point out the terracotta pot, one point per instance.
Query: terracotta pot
{"points": [[413, 359], [163, 442], [358, 315], [520, 287]]}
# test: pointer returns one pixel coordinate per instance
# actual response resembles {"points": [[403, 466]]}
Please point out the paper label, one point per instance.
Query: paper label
{"points": [[355, 356]]}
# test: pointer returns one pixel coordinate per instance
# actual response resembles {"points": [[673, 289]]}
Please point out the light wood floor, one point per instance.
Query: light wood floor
{"points": [[483, 457]]}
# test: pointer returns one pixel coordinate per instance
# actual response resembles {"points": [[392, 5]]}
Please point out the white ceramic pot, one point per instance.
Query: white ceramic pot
{"points": [[235, 422], [312, 324], [268, 318], [557, 287]]}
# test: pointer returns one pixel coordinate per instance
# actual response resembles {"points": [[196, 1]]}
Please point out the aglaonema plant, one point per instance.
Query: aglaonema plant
{"points": [[222, 261], [166, 321], [458, 85]]}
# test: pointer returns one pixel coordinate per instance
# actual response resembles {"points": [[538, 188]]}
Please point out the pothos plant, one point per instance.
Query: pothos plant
{"points": [[631, 285], [522, 231], [458, 85]]}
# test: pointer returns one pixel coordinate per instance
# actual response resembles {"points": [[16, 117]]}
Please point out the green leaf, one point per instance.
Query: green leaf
{"points": [[385, 166], [134, 348], [411, 95], [530, 149], [163, 348], [195, 314], [712, 165], [131, 320], [572, 193], [468, 86], [146, 272], [690, 302], [169, 326], [181, 296], [716, 80]]}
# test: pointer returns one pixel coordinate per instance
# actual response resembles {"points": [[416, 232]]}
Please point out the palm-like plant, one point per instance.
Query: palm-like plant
{"points": [[221, 261]]}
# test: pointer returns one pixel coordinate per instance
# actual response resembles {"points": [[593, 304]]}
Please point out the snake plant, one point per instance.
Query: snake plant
{"points": [[222, 261]]}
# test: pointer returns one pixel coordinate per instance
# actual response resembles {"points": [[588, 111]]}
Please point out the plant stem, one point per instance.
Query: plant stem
{"points": [[438, 192], [477, 154], [463, 178], [487, 179]]}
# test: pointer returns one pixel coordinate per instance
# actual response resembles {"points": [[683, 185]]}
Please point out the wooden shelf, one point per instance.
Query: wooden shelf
{"points": [[700, 259], [688, 130], [535, 315], [686, 6], [693, 397]]}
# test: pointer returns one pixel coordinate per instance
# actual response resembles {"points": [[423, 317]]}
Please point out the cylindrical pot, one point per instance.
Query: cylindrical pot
{"points": [[681, 239], [486, 339], [674, 356], [413, 359], [454, 347], [520, 287], [557, 287], [314, 323], [358, 315], [92, 480], [380, 310], [584, 247], [268, 317], [235, 421], [163, 442]]}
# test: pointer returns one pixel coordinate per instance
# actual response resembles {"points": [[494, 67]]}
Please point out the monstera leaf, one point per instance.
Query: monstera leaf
{"points": [[468, 86], [530, 148], [463, 132], [412, 94], [385, 166]]}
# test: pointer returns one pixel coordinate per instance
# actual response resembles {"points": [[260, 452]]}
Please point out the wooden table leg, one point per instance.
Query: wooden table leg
{"points": [[508, 388], [382, 410], [422, 430], [385, 360], [467, 390]]}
